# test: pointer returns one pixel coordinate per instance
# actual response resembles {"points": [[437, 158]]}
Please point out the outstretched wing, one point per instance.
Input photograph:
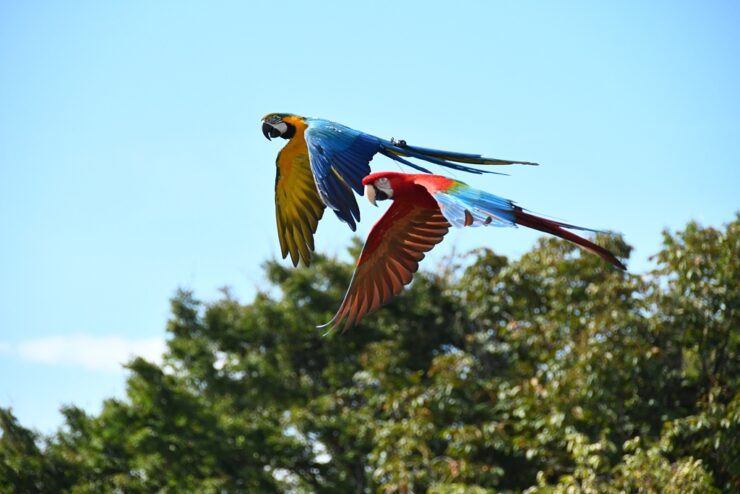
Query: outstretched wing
{"points": [[298, 206], [391, 256], [464, 206], [340, 159]]}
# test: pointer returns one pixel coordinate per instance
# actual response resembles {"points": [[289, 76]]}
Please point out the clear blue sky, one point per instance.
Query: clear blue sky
{"points": [[132, 162]]}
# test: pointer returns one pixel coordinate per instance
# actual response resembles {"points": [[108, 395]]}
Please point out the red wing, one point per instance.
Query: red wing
{"points": [[396, 244]]}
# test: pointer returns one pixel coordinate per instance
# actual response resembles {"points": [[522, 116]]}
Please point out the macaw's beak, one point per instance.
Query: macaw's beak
{"points": [[269, 131], [370, 192]]}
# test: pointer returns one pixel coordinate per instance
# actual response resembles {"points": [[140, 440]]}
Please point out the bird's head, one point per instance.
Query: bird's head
{"points": [[279, 125], [381, 185]]}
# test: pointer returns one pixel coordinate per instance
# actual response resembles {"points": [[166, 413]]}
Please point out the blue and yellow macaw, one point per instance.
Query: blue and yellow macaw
{"points": [[323, 162]]}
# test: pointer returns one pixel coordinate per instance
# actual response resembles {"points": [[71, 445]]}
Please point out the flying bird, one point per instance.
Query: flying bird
{"points": [[424, 207], [323, 162]]}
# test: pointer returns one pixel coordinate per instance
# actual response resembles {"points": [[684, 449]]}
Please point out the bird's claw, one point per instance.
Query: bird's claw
{"points": [[398, 142]]}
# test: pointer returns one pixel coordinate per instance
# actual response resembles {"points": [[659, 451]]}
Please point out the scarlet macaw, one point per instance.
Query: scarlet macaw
{"points": [[424, 207], [323, 162]]}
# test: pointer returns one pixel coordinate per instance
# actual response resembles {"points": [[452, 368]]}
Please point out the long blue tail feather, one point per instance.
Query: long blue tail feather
{"points": [[465, 157], [403, 161], [388, 148]]}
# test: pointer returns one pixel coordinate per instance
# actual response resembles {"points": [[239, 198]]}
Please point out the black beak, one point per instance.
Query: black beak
{"points": [[269, 131]]}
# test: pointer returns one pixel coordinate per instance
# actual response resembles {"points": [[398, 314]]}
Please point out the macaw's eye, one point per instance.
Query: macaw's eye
{"points": [[383, 182]]}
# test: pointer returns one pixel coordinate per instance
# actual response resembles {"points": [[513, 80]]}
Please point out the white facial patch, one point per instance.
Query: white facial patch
{"points": [[384, 185]]}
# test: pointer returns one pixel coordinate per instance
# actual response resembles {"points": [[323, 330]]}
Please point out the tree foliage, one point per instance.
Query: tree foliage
{"points": [[553, 373]]}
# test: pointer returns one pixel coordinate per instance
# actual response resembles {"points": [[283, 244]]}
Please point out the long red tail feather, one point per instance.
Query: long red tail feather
{"points": [[558, 229]]}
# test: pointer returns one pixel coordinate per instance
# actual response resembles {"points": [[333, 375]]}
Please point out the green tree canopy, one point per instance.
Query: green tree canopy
{"points": [[553, 373]]}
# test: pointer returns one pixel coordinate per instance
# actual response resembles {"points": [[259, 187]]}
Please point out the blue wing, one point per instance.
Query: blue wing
{"points": [[463, 206], [340, 159]]}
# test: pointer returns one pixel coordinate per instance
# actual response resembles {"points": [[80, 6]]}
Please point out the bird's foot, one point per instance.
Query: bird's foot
{"points": [[398, 142]]}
